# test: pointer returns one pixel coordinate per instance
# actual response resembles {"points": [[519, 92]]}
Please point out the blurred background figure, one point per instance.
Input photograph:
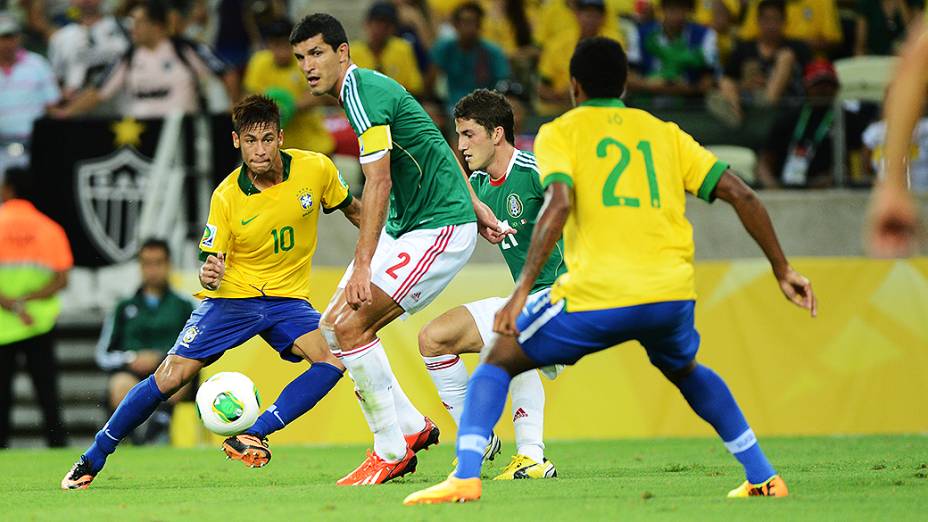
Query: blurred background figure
{"points": [[881, 25], [158, 74], [813, 22], [138, 334], [384, 51], [467, 60], [27, 90], [274, 72], [82, 52], [35, 259], [764, 70], [676, 57]]}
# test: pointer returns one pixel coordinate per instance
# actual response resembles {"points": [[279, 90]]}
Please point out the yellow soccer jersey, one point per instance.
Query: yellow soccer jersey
{"points": [[397, 60], [805, 20], [626, 241], [269, 236]]}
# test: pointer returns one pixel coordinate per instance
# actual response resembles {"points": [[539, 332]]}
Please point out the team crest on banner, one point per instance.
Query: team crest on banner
{"points": [[514, 205], [110, 191]]}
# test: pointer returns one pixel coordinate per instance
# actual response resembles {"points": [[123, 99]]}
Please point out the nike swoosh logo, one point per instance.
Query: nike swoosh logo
{"points": [[246, 221]]}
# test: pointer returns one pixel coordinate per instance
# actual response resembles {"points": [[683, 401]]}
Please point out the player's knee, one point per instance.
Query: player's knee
{"points": [[348, 334], [431, 344], [173, 374], [677, 375]]}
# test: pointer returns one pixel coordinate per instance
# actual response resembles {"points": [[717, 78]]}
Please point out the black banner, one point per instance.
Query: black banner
{"points": [[91, 176]]}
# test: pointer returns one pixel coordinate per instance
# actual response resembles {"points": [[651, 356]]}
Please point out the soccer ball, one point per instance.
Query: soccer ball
{"points": [[228, 403]]}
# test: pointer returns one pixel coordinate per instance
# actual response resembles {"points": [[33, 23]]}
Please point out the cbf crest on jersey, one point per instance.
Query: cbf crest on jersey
{"points": [[514, 205], [110, 191], [306, 200]]}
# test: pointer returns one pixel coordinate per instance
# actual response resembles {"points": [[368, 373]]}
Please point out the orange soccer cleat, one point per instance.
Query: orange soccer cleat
{"points": [[79, 476], [774, 487], [425, 438], [249, 449], [451, 490], [375, 470]]}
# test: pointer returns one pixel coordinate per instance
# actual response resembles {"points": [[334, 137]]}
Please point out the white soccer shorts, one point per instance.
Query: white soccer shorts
{"points": [[484, 313], [415, 267]]}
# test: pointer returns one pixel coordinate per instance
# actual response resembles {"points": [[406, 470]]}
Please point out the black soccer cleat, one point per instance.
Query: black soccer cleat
{"points": [[80, 476]]}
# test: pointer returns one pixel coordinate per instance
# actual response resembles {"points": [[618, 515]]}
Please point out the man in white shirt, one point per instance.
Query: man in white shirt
{"points": [[82, 52], [158, 74], [28, 89]]}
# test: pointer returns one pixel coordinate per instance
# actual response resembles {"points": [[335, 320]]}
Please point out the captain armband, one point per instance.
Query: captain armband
{"points": [[375, 142]]}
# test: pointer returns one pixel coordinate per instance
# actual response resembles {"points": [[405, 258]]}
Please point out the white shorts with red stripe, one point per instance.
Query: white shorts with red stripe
{"points": [[484, 313], [415, 267]]}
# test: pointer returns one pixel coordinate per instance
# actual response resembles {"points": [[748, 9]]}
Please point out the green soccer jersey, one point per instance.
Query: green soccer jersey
{"points": [[428, 189], [516, 200]]}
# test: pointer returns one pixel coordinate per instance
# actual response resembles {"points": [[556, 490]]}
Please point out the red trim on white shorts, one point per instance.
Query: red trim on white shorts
{"points": [[437, 248]]}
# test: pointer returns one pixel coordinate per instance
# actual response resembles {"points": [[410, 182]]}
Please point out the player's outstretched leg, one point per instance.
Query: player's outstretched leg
{"points": [[528, 410], [297, 398], [138, 405], [711, 399]]}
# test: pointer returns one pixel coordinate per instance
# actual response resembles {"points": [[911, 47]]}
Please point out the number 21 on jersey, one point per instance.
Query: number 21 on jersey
{"points": [[610, 198]]}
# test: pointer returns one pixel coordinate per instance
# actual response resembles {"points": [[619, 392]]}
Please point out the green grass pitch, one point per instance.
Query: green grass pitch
{"points": [[830, 478]]}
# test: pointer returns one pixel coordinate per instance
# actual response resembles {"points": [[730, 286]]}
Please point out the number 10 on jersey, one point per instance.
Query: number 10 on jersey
{"points": [[283, 239]]}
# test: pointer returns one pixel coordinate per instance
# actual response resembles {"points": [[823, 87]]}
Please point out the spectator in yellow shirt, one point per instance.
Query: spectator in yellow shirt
{"points": [[556, 17], [275, 73], [384, 51], [706, 10], [814, 22], [554, 65]]}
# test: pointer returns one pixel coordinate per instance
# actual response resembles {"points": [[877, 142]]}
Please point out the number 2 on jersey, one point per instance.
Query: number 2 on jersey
{"points": [[610, 198]]}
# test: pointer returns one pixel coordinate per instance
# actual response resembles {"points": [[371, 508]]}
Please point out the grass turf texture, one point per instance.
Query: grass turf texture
{"points": [[830, 478]]}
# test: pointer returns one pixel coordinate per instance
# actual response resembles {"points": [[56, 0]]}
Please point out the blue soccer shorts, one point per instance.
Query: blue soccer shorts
{"points": [[218, 325], [549, 334]]}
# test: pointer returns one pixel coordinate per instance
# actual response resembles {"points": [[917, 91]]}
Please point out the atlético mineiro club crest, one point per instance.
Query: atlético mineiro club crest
{"points": [[110, 191]]}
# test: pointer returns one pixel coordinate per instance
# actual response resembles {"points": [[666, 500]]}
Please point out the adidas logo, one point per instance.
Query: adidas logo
{"points": [[520, 414], [447, 406], [415, 296]]}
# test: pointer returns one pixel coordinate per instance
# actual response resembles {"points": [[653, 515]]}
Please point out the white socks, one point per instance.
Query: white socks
{"points": [[374, 385], [450, 377], [528, 414], [409, 418], [528, 401]]}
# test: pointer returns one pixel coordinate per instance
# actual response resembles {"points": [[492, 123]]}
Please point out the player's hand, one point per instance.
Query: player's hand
{"points": [[212, 271], [892, 222], [487, 224], [504, 323], [358, 289], [798, 289]]}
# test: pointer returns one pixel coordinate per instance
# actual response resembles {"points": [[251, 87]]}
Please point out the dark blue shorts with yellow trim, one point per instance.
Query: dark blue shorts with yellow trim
{"points": [[549, 334], [218, 325]]}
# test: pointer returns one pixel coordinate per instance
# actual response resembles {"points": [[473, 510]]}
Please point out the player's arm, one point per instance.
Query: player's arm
{"points": [[756, 221], [487, 224], [548, 228], [353, 212], [893, 214], [214, 244], [372, 216]]}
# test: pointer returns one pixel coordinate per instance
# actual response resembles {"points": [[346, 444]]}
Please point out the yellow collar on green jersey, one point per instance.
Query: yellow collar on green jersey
{"points": [[602, 102], [248, 187]]}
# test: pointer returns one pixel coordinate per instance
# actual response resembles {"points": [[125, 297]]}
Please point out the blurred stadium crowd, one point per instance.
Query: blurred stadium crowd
{"points": [[756, 76], [745, 72]]}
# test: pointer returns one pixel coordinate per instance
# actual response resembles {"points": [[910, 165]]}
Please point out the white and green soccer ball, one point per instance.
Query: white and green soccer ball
{"points": [[228, 403]]}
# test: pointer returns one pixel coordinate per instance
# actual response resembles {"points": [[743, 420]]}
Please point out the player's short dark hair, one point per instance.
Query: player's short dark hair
{"points": [[473, 7], [19, 181], [489, 109], [600, 66], [156, 11], [253, 111], [154, 242], [685, 4], [778, 5], [332, 31]]}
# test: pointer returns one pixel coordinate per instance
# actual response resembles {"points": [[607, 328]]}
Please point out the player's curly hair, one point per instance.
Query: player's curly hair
{"points": [[254, 111], [332, 31], [489, 109], [600, 66]]}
